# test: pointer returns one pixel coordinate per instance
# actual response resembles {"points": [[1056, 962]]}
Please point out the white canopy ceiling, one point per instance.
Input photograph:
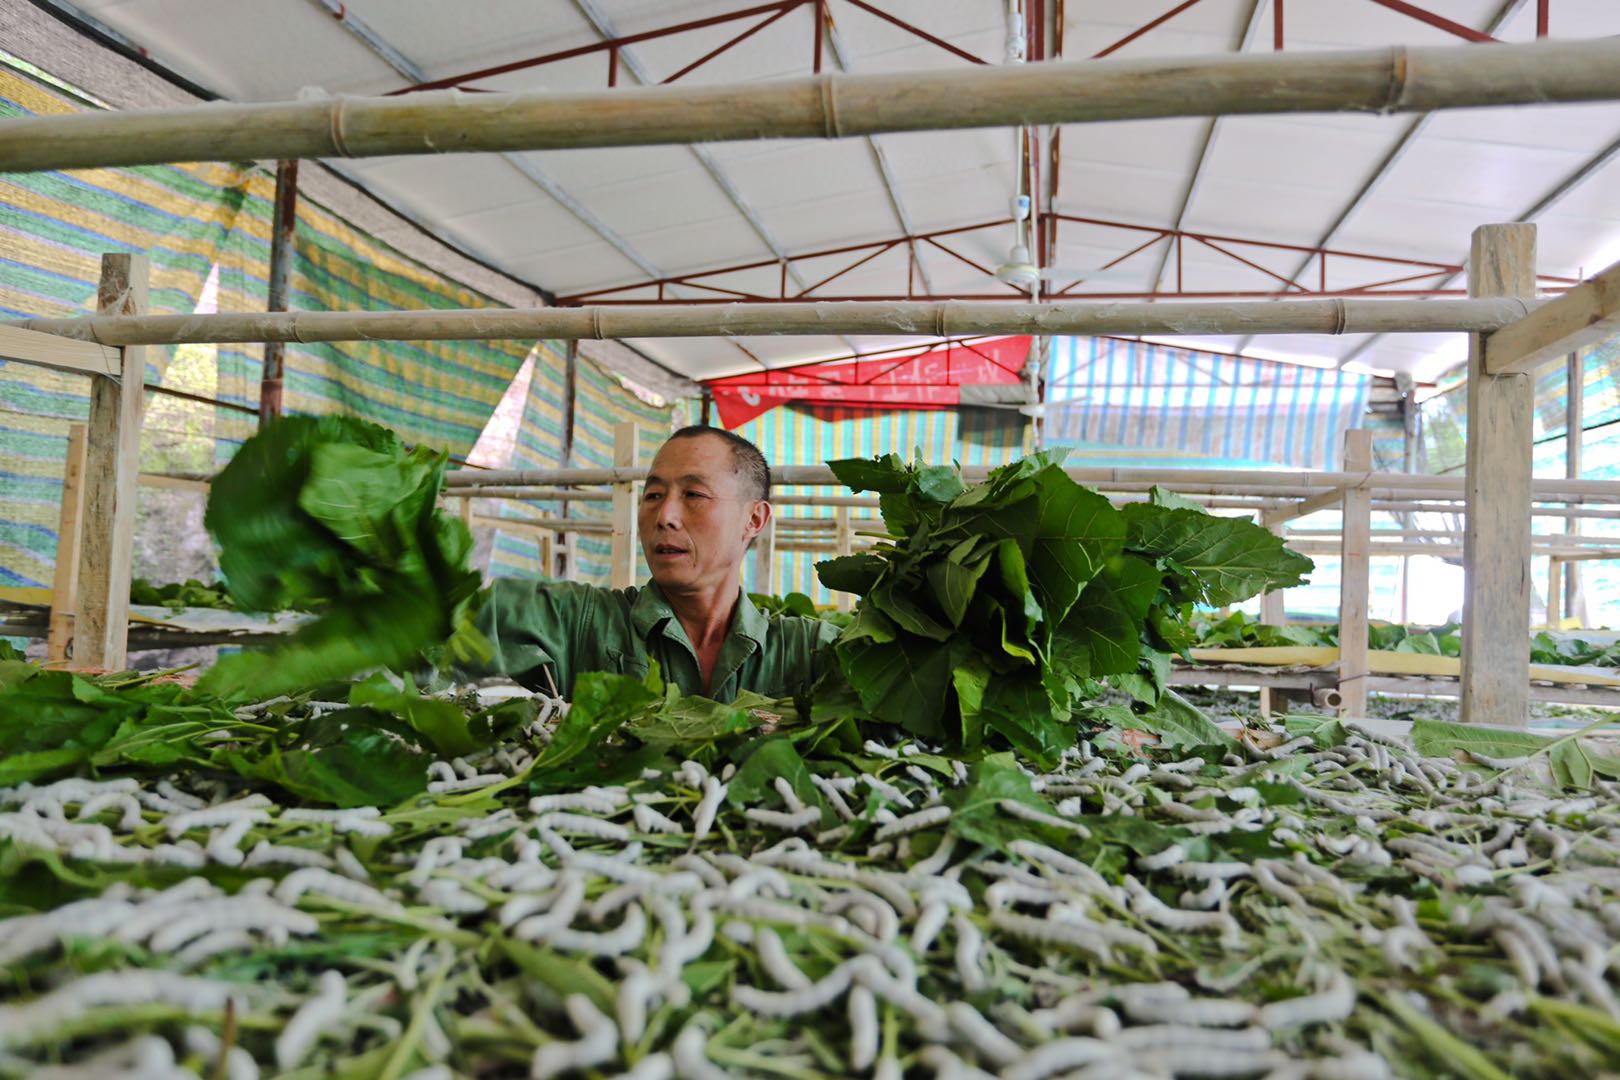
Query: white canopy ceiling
{"points": [[1247, 192]]}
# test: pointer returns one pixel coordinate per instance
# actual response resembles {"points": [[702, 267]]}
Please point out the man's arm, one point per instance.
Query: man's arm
{"points": [[532, 626]]}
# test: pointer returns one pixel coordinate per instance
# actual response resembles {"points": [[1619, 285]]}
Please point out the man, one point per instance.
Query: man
{"points": [[705, 500]]}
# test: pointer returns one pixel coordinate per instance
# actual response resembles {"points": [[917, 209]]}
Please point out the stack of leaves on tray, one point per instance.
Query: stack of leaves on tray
{"points": [[1001, 608], [334, 514]]}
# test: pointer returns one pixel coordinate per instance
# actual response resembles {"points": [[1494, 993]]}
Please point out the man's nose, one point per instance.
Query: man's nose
{"points": [[668, 514]]}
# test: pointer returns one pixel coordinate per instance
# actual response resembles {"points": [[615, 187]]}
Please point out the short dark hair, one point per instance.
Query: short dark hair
{"points": [[745, 456]]}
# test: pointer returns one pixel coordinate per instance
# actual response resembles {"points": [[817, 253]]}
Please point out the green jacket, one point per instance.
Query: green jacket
{"points": [[573, 628]]}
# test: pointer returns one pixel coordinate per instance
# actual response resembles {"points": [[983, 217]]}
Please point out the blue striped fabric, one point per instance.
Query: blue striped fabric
{"points": [[1130, 403]]}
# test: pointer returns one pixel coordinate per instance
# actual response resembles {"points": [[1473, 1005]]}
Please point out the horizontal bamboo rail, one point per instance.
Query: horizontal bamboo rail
{"points": [[946, 319], [1297, 483], [827, 106]]}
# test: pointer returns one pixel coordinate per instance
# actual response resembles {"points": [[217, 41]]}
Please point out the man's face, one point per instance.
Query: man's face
{"points": [[696, 519]]}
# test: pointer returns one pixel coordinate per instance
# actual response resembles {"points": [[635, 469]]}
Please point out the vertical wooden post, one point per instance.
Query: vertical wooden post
{"points": [[548, 555], [765, 559], [1574, 440], [111, 467], [1353, 577], [626, 454], [64, 585], [1272, 613], [846, 545], [1555, 589], [283, 236], [1496, 531]]}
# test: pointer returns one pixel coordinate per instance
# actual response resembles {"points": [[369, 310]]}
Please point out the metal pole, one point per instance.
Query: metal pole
{"points": [[283, 226]]}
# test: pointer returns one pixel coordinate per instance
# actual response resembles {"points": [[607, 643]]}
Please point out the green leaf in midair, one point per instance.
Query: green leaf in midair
{"points": [[1216, 560]]}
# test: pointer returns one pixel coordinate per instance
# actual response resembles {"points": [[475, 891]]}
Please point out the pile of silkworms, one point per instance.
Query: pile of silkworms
{"points": [[1352, 912]]}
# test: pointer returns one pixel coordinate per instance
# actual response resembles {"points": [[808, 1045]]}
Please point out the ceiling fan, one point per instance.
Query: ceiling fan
{"points": [[1019, 270]]}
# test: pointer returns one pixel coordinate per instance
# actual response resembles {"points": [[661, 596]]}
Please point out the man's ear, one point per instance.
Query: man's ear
{"points": [[758, 518]]}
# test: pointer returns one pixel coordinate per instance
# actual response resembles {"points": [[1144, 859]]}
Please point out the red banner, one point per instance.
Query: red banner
{"points": [[930, 380]]}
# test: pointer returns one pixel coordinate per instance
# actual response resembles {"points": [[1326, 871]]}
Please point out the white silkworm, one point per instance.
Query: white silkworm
{"points": [[579, 825], [239, 1064], [1060, 1055], [773, 957], [465, 783], [228, 913], [659, 1066], [914, 822], [597, 1045], [649, 820], [1014, 808], [691, 1060], [348, 864], [1195, 1012], [131, 818], [1079, 1012], [709, 806], [931, 920], [1045, 932], [936, 862], [560, 908], [313, 1018], [985, 1038], [1162, 860], [776, 819], [887, 791], [969, 943], [310, 814], [250, 808], [817, 995], [449, 896], [183, 992], [863, 1028], [265, 853], [224, 845], [1332, 1003], [873, 747], [318, 880], [597, 802], [616, 942]]}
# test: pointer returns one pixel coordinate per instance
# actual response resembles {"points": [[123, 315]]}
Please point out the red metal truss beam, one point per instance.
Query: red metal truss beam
{"points": [[917, 31], [1139, 31], [862, 253], [611, 46], [726, 46], [1439, 22], [846, 249]]}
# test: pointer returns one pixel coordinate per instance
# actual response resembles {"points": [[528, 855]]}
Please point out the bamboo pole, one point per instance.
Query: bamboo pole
{"points": [[65, 581], [1496, 563], [112, 463], [626, 452], [939, 318], [1208, 481], [1385, 80]]}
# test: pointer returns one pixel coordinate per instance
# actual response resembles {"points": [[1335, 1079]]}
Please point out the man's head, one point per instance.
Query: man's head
{"points": [[704, 502]]}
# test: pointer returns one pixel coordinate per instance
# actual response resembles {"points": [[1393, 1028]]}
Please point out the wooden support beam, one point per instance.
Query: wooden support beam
{"points": [[765, 559], [1588, 314], [53, 351], [626, 455], [1354, 552], [1555, 590], [65, 582], [112, 463], [844, 532], [1574, 443], [1496, 543]]}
